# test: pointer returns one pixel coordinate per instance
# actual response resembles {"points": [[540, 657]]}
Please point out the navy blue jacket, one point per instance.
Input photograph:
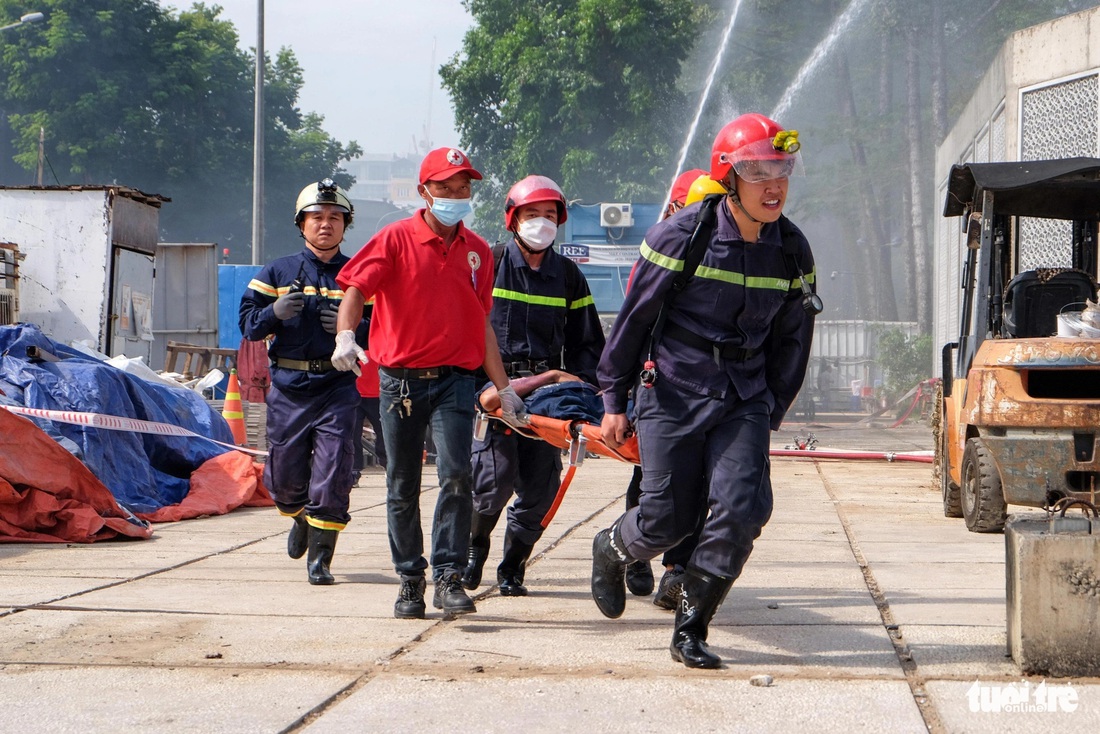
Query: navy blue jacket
{"points": [[535, 318], [302, 337], [741, 294]]}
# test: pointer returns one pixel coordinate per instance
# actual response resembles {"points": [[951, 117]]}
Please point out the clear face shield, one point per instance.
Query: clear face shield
{"points": [[766, 160]]}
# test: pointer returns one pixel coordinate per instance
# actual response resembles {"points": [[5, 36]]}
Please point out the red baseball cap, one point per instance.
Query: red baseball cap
{"points": [[442, 163], [682, 185]]}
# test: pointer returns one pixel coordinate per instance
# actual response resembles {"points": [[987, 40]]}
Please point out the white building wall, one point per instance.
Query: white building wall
{"points": [[66, 240], [1047, 70]]}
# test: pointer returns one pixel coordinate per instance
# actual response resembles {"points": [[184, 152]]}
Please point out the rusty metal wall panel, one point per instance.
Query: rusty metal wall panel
{"points": [[134, 224], [185, 300]]}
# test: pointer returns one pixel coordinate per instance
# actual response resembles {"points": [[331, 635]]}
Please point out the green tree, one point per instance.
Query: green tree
{"points": [[871, 114], [583, 91], [905, 361], [130, 93]]}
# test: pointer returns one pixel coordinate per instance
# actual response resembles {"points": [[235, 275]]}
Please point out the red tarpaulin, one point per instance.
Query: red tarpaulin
{"points": [[47, 495]]}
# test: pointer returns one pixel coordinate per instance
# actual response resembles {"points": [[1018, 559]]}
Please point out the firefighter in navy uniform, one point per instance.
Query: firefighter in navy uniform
{"points": [[311, 408], [723, 363], [545, 319], [639, 575]]}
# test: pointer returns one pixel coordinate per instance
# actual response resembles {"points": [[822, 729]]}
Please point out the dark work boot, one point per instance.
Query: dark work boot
{"points": [[512, 566], [609, 561], [451, 597], [298, 540], [475, 565], [322, 544], [700, 598], [668, 591], [480, 528], [410, 599], [639, 578]]}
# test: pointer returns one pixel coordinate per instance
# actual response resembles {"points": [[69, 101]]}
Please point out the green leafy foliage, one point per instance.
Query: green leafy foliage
{"points": [[583, 91], [905, 361], [129, 93]]}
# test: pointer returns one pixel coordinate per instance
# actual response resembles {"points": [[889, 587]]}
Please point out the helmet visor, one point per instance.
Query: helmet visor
{"points": [[755, 171], [321, 206], [763, 161]]}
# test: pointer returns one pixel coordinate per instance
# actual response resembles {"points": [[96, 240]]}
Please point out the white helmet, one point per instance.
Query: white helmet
{"points": [[315, 195]]}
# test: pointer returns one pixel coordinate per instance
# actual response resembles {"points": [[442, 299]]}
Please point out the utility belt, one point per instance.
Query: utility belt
{"points": [[312, 366], [730, 352], [528, 367], [424, 373]]}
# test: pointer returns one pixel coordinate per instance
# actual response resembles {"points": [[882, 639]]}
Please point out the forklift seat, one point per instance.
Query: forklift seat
{"points": [[1034, 298]]}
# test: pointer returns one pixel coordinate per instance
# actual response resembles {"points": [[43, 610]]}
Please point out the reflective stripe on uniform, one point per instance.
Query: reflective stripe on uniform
{"points": [[528, 298], [725, 276], [268, 290], [261, 287], [664, 261], [325, 524]]}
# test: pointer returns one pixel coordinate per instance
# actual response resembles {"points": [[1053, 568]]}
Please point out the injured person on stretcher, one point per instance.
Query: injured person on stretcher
{"points": [[562, 408], [556, 394]]}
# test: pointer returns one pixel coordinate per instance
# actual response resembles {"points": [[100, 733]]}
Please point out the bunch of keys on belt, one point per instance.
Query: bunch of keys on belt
{"points": [[406, 403]]}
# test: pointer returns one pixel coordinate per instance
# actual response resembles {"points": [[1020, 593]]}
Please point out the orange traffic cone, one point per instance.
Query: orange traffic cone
{"points": [[233, 412]]}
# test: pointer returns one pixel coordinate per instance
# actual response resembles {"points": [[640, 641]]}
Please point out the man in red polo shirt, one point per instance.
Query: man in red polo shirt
{"points": [[432, 282]]}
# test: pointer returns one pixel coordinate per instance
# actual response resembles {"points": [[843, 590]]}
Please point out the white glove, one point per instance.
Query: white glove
{"points": [[512, 410], [348, 354]]}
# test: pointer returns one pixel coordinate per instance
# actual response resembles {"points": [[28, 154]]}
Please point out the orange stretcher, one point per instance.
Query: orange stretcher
{"points": [[578, 437]]}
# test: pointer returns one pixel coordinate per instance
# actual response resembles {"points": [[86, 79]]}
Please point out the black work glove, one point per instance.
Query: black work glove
{"points": [[328, 317], [289, 305]]}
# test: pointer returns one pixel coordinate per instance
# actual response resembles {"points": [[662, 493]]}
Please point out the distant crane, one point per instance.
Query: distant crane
{"points": [[426, 133]]}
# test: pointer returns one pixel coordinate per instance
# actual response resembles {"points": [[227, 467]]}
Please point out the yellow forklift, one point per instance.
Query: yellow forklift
{"points": [[1020, 413]]}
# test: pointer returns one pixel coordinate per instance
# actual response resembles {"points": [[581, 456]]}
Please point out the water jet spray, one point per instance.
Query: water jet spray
{"points": [[703, 101]]}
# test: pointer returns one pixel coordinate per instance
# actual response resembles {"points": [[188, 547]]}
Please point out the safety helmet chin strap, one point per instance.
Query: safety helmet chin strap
{"points": [[737, 200]]}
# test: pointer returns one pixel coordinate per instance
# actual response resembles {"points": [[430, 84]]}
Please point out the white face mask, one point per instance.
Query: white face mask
{"points": [[537, 233]]}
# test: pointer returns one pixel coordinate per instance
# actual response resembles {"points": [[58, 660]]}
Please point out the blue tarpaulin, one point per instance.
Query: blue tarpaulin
{"points": [[143, 471]]}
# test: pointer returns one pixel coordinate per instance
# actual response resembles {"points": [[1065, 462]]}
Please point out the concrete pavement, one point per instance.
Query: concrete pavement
{"points": [[868, 608]]}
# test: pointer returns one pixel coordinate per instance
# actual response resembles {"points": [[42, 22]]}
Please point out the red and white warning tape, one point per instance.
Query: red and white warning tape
{"points": [[117, 423]]}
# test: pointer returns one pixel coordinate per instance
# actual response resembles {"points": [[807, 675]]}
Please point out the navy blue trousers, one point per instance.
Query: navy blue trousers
{"points": [[700, 454], [311, 452], [505, 464]]}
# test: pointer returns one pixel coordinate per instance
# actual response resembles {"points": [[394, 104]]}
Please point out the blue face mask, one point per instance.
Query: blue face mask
{"points": [[450, 212]]}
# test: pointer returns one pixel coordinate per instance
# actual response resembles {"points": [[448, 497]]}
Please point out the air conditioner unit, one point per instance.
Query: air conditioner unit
{"points": [[616, 215]]}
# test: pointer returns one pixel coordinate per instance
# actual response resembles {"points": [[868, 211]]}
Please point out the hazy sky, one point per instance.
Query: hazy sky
{"points": [[367, 64]]}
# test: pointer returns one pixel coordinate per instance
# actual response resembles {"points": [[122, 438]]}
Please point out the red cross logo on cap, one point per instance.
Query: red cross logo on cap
{"points": [[454, 157]]}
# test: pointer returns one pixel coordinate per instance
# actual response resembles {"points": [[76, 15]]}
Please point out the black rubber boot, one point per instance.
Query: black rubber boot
{"points": [[701, 596], [322, 544], [609, 562], [639, 578], [298, 540], [512, 566], [480, 528]]}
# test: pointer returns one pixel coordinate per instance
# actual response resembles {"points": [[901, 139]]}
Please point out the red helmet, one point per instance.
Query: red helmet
{"points": [[529, 191], [682, 184], [749, 139]]}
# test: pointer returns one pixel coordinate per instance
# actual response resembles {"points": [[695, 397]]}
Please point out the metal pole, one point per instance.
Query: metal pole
{"points": [[258, 145], [41, 152]]}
